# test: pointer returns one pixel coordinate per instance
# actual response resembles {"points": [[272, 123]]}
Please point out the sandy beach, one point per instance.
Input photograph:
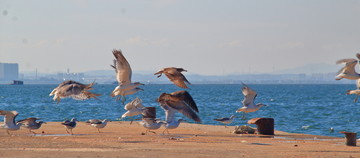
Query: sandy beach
{"points": [[120, 139]]}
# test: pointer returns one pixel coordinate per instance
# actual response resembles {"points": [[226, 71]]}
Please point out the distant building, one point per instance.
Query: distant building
{"points": [[9, 71]]}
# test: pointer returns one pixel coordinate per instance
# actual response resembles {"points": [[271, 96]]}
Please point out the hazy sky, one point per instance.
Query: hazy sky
{"points": [[203, 36]]}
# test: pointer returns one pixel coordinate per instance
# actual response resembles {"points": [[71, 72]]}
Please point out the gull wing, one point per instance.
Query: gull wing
{"points": [[176, 77], [94, 121], [222, 119], [184, 96], [349, 67], [181, 107], [122, 68], [249, 95], [30, 120], [9, 116], [169, 113]]}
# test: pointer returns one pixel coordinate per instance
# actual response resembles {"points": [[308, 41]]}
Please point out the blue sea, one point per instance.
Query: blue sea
{"points": [[304, 108]]}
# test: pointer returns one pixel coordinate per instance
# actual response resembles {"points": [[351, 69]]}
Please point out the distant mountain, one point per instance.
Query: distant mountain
{"points": [[311, 68]]}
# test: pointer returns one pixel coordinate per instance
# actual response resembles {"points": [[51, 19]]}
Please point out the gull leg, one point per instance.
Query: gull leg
{"points": [[71, 132], [164, 131], [123, 100], [243, 117], [152, 132], [98, 130], [7, 131], [67, 131], [355, 100]]}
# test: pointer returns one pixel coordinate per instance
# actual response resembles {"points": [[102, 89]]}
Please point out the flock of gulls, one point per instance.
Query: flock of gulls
{"points": [[179, 101]]}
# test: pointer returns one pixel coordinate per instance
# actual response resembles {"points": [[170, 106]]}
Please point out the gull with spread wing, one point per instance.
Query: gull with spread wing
{"points": [[31, 124], [182, 102], [248, 102], [9, 121], [348, 71], [74, 90], [174, 75], [171, 122], [123, 74], [133, 108]]}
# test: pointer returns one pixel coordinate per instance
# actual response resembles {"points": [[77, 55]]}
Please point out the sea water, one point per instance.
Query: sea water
{"points": [[304, 108]]}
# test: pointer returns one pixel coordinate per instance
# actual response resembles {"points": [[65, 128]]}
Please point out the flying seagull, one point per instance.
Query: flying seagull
{"points": [[248, 102], [98, 123], [356, 91], [348, 71], [74, 90], [31, 124], [225, 120], [9, 121], [133, 108], [174, 75], [69, 125], [123, 75], [182, 102]]}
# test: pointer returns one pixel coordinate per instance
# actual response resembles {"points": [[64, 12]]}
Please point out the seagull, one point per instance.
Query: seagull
{"points": [[123, 93], [226, 120], [123, 74], [171, 123], [74, 90], [149, 120], [151, 124], [97, 123], [133, 108], [356, 91], [69, 125], [174, 75], [9, 121], [31, 124], [348, 71], [248, 102], [182, 102]]}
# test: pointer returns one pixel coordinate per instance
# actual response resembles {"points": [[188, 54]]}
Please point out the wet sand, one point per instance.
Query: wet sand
{"points": [[120, 139]]}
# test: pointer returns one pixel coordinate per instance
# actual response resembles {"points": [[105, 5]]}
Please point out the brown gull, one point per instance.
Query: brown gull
{"points": [[174, 75]]}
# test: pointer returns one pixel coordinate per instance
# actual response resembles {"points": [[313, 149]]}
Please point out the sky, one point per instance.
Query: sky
{"points": [[207, 37]]}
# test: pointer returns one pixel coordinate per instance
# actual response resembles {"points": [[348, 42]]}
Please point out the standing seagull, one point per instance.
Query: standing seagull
{"points": [[31, 124], [171, 123], [133, 108], [73, 89], [348, 71], [248, 102], [151, 124], [123, 74], [9, 121], [149, 120], [174, 75], [225, 120], [97, 123], [69, 125], [182, 102]]}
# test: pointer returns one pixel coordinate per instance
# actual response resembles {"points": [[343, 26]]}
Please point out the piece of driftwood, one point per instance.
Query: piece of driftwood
{"points": [[150, 112], [264, 125], [350, 138]]}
